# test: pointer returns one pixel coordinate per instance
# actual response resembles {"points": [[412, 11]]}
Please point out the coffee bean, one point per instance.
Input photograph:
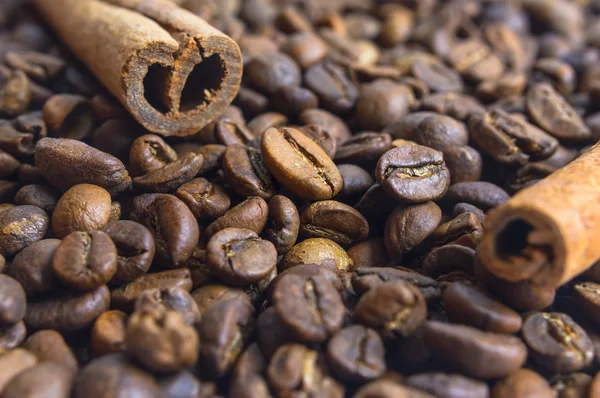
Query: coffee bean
{"points": [[333, 220], [245, 171], [16, 92], [83, 207], [184, 384], [171, 176], [482, 194], [283, 223], [108, 333], [208, 296], [50, 346], [364, 279], [213, 157], [13, 301], [307, 271], [148, 153], [408, 226], [464, 163], [450, 258], [115, 136], [448, 385], [321, 137], [371, 253], [388, 389], [68, 313], [356, 353], [85, 260], [381, 103], [14, 362], [172, 299], [207, 201], [270, 333], [571, 385], [69, 116], [470, 351], [65, 163], [265, 121], [363, 148], [248, 375], [330, 82], [556, 342], [41, 196], [356, 182], [306, 48], [522, 383], [46, 379], [11, 336], [437, 76], [270, 71], [229, 131], [32, 267], [251, 214], [326, 120], [456, 105], [292, 100], [549, 110], [21, 226], [439, 132], [475, 60], [251, 102], [299, 164], [413, 174], [464, 230], [317, 251], [310, 308]]}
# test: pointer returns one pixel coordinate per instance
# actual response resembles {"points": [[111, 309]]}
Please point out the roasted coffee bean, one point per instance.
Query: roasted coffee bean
{"points": [[439, 132], [356, 353], [248, 376], [364, 279], [288, 368], [44, 379], [245, 171], [172, 299], [69, 116], [556, 342], [148, 153], [522, 383], [16, 143], [270, 333], [482, 194], [317, 251], [13, 301], [413, 174], [229, 131], [306, 48], [307, 271], [184, 384], [456, 105], [171, 176], [333, 220], [251, 214], [446, 385], [120, 376], [363, 148], [207, 201], [310, 308], [299, 164], [587, 295], [50, 346], [473, 352], [408, 226], [11, 336], [41, 196], [388, 389], [464, 230], [357, 182], [108, 333], [8, 190], [381, 103], [174, 228], [572, 385], [437, 76], [28, 174], [84, 207], [328, 121], [270, 71], [21, 226], [8, 165], [265, 121], [16, 92], [475, 60], [464, 163], [321, 137], [468, 305], [251, 102], [135, 250], [549, 110], [68, 313], [292, 100], [283, 224], [160, 339], [208, 295], [32, 267], [395, 309], [14, 362], [124, 297], [85, 260], [224, 331], [213, 157], [65, 163], [115, 136], [371, 253], [447, 259], [376, 204], [330, 82]]}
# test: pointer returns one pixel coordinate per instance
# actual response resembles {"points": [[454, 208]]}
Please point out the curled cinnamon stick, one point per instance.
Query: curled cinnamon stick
{"points": [[547, 234], [173, 71]]}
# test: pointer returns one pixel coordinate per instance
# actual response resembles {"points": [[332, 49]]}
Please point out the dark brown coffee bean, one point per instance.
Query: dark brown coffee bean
{"points": [[21, 226], [50, 346], [172, 299], [121, 378], [447, 385], [310, 308], [473, 352], [213, 157], [306, 271], [388, 389], [317, 251], [333, 220], [572, 385], [108, 333], [245, 171], [408, 226], [224, 331], [208, 295], [356, 353], [306, 48], [330, 82], [413, 174], [69, 116], [160, 339], [251, 214], [265, 121], [28, 174], [363, 148], [468, 305], [15, 142], [251, 102], [229, 131], [8, 190], [447, 259], [11, 336], [437, 76], [16, 92], [475, 60], [270, 71], [13, 301], [376, 204], [248, 380], [184, 384], [174, 228], [270, 333], [135, 250], [14, 362], [549, 110], [283, 224], [42, 196], [44, 379], [460, 208], [207, 201], [288, 368], [464, 163], [32, 267], [523, 383], [440, 132], [482, 194], [171, 176], [394, 309], [371, 253], [124, 297], [381, 103], [148, 153], [84, 207], [456, 105], [321, 137], [68, 313], [8, 165], [85, 260], [292, 100], [115, 136], [587, 295], [299, 164], [357, 181], [364, 279], [327, 121], [464, 230], [556, 342], [65, 163]]}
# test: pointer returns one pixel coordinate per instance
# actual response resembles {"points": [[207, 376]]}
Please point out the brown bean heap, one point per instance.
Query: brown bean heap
{"points": [[319, 238]]}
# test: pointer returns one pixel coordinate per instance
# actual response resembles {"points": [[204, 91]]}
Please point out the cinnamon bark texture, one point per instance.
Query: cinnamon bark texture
{"points": [[173, 71], [548, 233]]}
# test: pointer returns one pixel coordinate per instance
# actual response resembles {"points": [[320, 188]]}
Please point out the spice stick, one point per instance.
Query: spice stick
{"points": [[549, 233], [173, 71]]}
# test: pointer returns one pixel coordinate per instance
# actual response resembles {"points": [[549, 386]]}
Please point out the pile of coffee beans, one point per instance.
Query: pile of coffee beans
{"points": [[318, 239]]}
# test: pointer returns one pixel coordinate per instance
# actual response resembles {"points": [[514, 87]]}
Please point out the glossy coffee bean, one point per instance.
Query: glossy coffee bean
{"points": [[292, 100], [408, 226], [321, 137], [283, 224], [333, 220], [250, 214], [332, 85], [11, 336], [172, 299], [13, 301], [21, 226], [50, 346], [46, 379], [464, 230], [208, 295], [364, 279], [84, 208], [371, 253], [319, 251], [270, 71], [522, 383], [171, 176], [381, 103], [14, 362], [388, 389], [32, 267], [448, 385], [464, 163], [326, 120], [413, 174], [42, 196], [207, 201], [108, 333], [363, 148], [482, 194], [245, 171], [149, 152]]}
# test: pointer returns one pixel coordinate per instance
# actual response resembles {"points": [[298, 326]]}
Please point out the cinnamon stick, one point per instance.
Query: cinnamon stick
{"points": [[547, 234], [173, 71]]}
